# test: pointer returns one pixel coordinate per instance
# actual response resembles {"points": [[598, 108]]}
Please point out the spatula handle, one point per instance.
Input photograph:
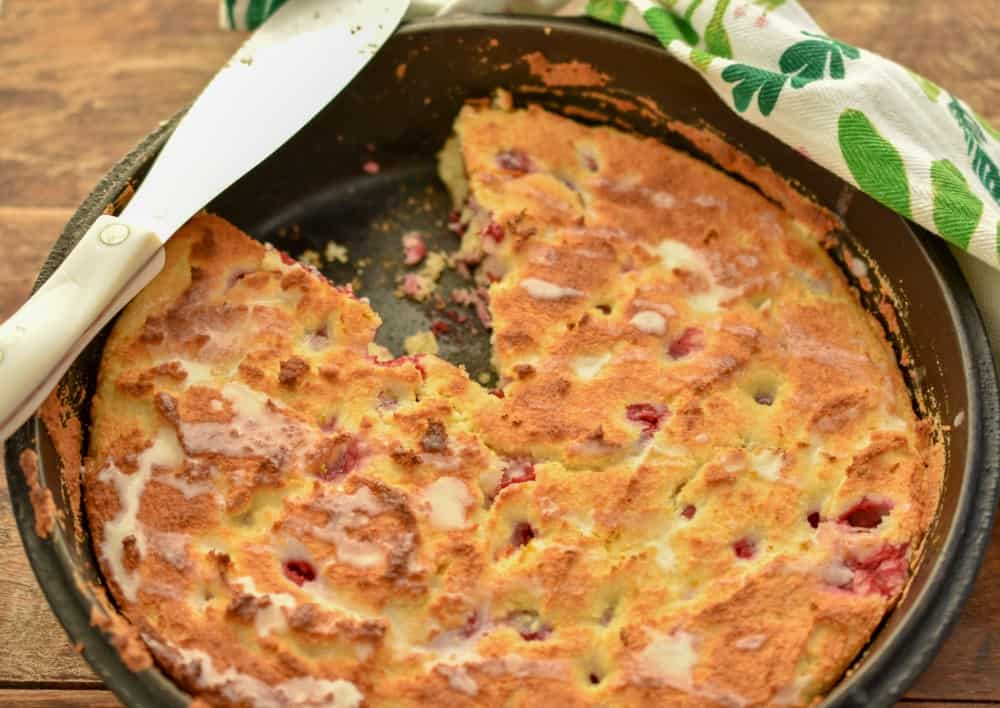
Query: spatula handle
{"points": [[39, 342]]}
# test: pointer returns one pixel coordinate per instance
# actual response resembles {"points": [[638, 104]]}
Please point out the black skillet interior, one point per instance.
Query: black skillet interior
{"points": [[316, 189]]}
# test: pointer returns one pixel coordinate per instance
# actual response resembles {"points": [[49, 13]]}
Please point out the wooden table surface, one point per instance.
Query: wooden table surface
{"points": [[83, 80]]}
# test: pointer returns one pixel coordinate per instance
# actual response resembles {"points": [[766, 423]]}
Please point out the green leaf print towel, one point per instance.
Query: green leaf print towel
{"points": [[899, 137]]}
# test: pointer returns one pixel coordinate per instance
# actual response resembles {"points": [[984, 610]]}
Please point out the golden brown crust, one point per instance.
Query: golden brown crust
{"points": [[703, 483]]}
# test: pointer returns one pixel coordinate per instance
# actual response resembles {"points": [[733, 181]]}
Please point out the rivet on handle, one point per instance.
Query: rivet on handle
{"points": [[113, 234]]}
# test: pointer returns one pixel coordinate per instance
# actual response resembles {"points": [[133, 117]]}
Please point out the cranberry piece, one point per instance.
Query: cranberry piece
{"points": [[883, 572], [516, 472], [286, 259], [515, 161], [813, 519], [400, 360], [690, 341], [455, 224], [529, 625], [593, 678], [688, 512], [648, 414], [745, 548], [414, 248], [344, 463], [473, 624], [386, 401], [498, 392], [299, 571], [440, 327], [866, 514], [536, 635], [522, 534], [495, 231]]}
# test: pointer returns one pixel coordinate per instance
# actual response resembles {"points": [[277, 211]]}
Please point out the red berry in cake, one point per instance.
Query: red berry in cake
{"points": [[516, 472], [688, 511], [386, 401], [522, 534], [649, 415], [299, 571], [494, 231], [515, 161], [690, 341], [400, 360], [473, 624], [866, 514], [883, 572], [745, 548], [345, 462], [813, 519], [529, 625]]}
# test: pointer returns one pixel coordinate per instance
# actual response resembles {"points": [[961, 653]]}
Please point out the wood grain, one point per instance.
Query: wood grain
{"points": [[952, 43], [36, 649], [26, 235], [84, 80], [47, 698]]}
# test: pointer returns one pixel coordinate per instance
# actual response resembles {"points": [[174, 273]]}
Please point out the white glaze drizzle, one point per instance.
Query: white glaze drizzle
{"points": [[347, 512], [300, 692], [258, 427], [447, 499], [649, 322], [587, 367], [668, 659], [544, 290], [750, 642], [165, 452]]}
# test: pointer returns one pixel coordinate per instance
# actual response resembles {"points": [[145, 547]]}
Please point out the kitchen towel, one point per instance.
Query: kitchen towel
{"points": [[894, 134]]}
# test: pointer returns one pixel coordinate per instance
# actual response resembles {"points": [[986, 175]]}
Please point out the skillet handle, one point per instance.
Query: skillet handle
{"points": [[96, 280]]}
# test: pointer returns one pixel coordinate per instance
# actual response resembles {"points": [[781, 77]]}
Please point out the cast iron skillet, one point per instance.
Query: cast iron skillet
{"points": [[316, 182]]}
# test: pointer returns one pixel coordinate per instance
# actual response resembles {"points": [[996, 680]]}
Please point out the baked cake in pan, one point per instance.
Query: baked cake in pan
{"points": [[700, 482]]}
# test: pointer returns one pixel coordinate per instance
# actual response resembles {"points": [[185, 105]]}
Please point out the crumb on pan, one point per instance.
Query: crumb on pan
{"points": [[335, 252], [420, 285], [312, 258], [39, 495], [421, 343]]}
